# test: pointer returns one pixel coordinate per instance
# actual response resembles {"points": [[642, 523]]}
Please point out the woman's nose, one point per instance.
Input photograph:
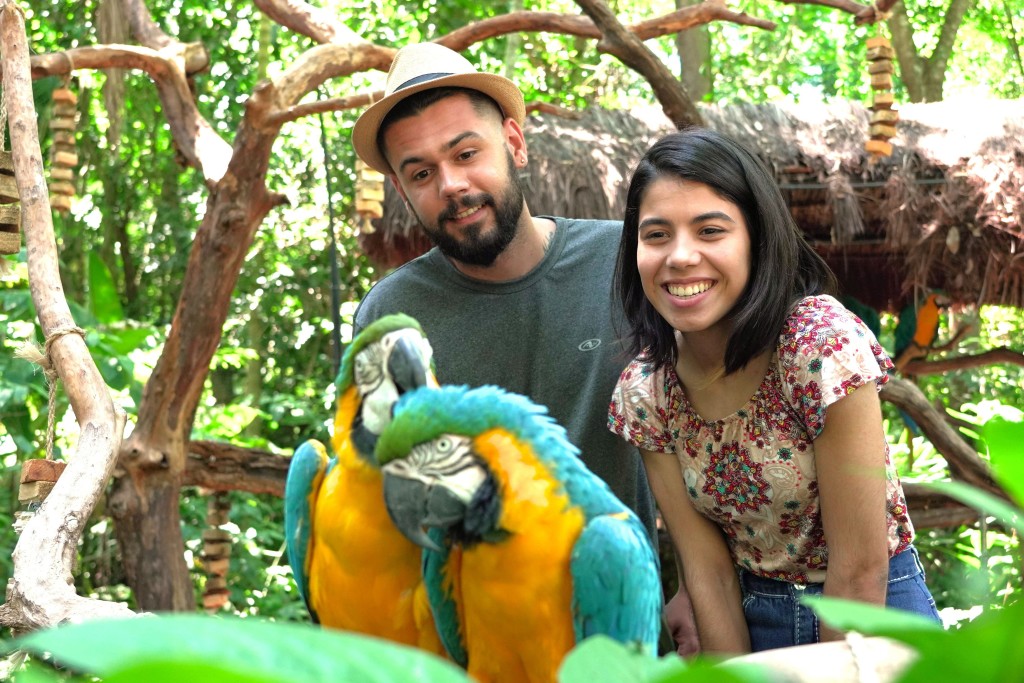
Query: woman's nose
{"points": [[683, 252]]}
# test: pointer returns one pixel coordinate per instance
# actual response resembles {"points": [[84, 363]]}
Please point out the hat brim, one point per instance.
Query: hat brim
{"points": [[500, 89]]}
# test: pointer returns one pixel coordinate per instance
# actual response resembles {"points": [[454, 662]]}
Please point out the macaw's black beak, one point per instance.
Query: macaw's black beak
{"points": [[408, 367], [414, 506]]}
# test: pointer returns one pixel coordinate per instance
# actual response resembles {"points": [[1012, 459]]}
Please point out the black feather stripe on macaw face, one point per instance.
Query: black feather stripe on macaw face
{"points": [[440, 484], [396, 363]]}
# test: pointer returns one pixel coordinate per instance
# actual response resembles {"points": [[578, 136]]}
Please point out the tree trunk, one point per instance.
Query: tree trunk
{"points": [[694, 48], [924, 77], [41, 591]]}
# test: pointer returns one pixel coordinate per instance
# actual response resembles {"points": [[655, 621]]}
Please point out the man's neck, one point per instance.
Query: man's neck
{"points": [[522, 255]]}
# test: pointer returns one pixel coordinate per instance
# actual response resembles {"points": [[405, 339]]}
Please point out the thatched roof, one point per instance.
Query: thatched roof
{"points": [[945, 211]]}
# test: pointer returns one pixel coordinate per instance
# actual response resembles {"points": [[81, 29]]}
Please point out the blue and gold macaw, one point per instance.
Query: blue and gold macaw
{"points": [[354, 570], [917, 329], [527, 551]]}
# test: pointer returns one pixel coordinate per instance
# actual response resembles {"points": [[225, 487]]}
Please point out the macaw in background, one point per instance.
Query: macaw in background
{"points": [[868, 315], [354, 570], [527, 552], [917, 328]]}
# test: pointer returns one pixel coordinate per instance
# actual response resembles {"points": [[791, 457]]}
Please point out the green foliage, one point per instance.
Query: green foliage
{"points": [[209, 649], [987, 648], [125, 245], [600, 658]]}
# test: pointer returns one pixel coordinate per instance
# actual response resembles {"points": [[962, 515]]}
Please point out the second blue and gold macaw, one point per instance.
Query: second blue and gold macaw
{"points": [[353, 568], [528, 551]]}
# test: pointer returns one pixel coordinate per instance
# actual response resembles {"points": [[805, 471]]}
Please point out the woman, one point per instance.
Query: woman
{"points": [[765, 390]]}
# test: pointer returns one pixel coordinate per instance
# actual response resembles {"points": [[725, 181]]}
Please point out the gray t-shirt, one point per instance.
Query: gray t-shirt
{"points": [[548, 335]]}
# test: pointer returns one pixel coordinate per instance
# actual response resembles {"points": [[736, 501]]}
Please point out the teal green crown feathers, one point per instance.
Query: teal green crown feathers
{"points": [[371, 333]]}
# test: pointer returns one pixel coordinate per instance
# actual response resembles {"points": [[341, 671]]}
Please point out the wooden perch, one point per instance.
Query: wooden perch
{"points": [[991, 357], [41, 593], [221, 466], [964, 463]]}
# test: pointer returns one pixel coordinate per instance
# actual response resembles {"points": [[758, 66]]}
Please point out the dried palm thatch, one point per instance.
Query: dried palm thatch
{"points": [[945, 211]]}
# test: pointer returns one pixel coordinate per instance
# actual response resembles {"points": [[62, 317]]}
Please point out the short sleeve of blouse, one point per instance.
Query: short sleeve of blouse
{"points": [[642, 406], [825, 353]]}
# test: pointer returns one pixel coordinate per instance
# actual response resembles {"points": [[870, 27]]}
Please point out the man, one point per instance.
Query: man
{"points": [[505, 297]]}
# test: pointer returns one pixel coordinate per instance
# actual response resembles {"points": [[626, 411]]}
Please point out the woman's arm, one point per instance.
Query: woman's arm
{"points": [[709, 575], [850, 459]]}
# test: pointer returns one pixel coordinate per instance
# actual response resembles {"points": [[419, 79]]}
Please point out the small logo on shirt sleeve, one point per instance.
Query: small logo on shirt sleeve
{"points": [[589, 345]]}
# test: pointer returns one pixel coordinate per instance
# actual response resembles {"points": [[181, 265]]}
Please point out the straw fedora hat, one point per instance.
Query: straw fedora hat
{"points": [[420, 67]]}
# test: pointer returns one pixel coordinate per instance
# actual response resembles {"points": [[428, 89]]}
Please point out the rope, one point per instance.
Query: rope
{"points": [[31, 353], [335, 275], [3, 117]]}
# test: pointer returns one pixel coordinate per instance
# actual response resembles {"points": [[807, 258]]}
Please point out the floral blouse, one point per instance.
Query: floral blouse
{"points": [[753, 472]]}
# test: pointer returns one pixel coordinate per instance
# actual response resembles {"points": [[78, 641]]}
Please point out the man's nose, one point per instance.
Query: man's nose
{"points": [[452, 180]]}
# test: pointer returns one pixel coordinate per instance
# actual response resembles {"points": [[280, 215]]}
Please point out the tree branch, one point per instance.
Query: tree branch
{"points": [[313, 22], [1011, 37], [224, 467], [947, 36], [168, 67], [964, 463], [912, 65], [865, 14], [41, 592], [631, 51], [991, 357]]}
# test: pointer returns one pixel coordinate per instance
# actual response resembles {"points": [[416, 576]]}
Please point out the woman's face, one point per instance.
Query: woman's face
{"points": [[693, 254]]}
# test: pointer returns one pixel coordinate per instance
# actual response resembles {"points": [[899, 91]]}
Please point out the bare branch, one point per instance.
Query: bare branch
{"points": [[41, 593], [990, 357], [865, 14], [617, 40], [303, 18], [964, 463], [224, 467]]}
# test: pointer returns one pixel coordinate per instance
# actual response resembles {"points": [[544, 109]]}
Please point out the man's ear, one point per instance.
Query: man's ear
{"points": [[398, 187], [401, 193], [515, 141]]}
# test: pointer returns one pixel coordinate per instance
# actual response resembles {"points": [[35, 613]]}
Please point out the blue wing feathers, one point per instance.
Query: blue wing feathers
{"points": [[616, 584], [305, 475]]}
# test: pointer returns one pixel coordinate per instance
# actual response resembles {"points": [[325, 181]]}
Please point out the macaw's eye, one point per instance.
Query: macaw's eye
{"points": [[444, 444], [367, 368]]}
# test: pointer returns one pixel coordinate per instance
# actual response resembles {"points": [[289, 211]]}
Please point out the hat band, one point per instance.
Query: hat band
{"points": [[421, 79]]}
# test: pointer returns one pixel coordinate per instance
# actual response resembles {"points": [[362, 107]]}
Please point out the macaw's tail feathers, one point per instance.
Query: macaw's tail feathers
{"points": [[305, 474], [441, 580], [616, 582]]}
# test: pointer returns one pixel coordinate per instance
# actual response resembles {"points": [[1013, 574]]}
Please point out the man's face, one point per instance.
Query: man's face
{"points": [[455, 168]]}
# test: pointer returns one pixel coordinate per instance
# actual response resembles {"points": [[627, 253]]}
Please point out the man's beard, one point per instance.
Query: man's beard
{"points": [[474, 247]]}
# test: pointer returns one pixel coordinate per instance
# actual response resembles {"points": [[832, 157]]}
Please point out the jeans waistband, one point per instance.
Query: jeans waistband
{"points": [[901, 566]]}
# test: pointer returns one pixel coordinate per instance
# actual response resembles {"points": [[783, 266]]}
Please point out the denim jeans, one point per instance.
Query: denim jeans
{"points": [[776, 618]]}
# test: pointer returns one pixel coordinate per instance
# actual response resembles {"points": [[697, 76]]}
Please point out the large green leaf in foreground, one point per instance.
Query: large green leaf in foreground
{"points": [[199, 648]]}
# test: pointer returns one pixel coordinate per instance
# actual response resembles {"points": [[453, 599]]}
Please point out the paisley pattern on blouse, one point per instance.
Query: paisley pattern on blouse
{"points": [[753, 472]]}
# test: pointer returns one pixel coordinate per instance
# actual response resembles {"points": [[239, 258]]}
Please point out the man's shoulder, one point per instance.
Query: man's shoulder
{"points": [[403, 288], [588, 224], [598, 235]]}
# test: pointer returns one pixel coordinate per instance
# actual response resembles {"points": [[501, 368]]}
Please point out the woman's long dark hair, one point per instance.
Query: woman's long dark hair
{"points": [[783, 268]]}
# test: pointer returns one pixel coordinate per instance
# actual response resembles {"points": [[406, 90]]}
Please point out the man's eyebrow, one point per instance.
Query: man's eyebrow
{"points": [[459, 138], [446, 147]]}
